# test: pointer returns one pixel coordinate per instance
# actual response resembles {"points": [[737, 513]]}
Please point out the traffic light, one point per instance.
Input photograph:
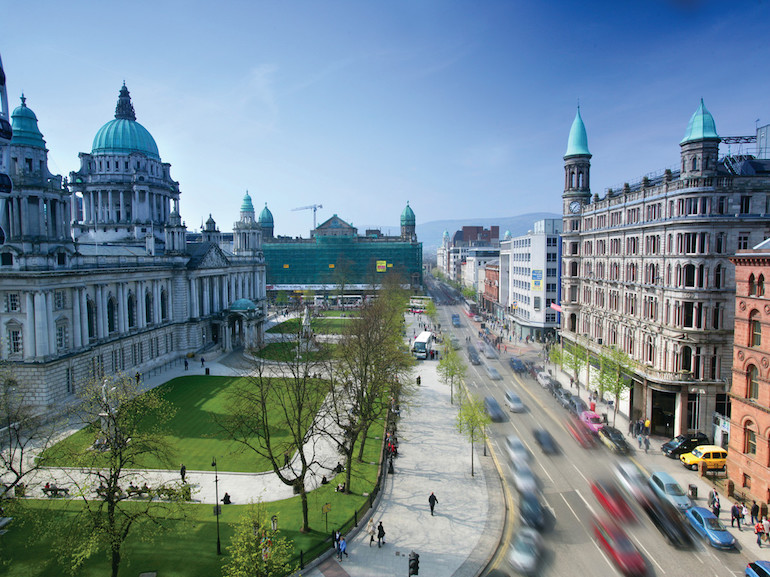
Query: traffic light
{"points": [[414, 563]]}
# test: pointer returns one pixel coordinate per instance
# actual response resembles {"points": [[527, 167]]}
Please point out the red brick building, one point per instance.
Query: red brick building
{"points": [[749, 448], [491, 295]]}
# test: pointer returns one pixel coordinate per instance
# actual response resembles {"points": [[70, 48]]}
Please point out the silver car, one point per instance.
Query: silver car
{"points": [[517, 452], [525, 551]]}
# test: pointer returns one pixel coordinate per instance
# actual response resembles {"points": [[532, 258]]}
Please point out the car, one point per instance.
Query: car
{"points": [[592, 420], [614, 440], [546, 441], [714, 456], [669, 490], [709, 527], [487, 350], [517, 451], [668, 521], [581, 434], [577, 405], [493, 409], [476, 318], [473, 355], [619, 547], [493, 373], [563, 396], [612, 501], [543, 378], [531, 511], [513, 401], [524, 479], [454, 342], [631, 480], [516, 365], [553, 386], [526, 549], [758, 569], [683, 444]]}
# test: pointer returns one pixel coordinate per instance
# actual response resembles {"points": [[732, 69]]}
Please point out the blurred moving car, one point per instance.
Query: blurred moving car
{"points": [[524, 479], [614, 440], [683, 444], [526, 550], [493, 373], [473, 355], [531, 511], [611, 499], [669, 521], [517, 365], [580, 432], [714, 456], [493, 409], [455, 342], [513, 401], [517, 452], [632, 481], [592, 420], [758, 569], [669, 490], [546, 441], [710, 528], [619, 548]]}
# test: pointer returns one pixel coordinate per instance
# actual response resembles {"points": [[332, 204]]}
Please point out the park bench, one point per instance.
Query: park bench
{"points": [[138, 491], [54, 491]]}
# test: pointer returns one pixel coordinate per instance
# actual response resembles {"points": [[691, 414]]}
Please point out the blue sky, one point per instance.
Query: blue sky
{"points": [[461, 108]]}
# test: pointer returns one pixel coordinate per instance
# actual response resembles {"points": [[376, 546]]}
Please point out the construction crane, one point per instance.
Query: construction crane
{"points": [[314, 207]]}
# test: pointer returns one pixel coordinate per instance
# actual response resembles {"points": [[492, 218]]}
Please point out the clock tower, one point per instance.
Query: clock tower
{"points": [[577, 171]]}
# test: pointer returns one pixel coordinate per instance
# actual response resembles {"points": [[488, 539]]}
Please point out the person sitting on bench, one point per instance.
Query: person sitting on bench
{"points": [[226, 499]]}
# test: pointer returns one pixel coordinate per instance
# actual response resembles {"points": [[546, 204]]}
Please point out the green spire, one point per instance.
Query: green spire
{"points": [[701, 126], [247, 206], [407, 217], [577, 145]]}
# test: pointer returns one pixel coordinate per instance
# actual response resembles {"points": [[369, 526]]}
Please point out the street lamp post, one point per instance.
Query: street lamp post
{"points": [[216, 496]]}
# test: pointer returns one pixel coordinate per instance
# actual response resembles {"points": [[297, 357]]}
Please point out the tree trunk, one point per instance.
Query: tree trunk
{"points": [[305, 515], [115, 560], [472, 457]]}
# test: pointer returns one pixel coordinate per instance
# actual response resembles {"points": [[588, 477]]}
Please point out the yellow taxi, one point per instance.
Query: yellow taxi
{"points": [[714, 456]]}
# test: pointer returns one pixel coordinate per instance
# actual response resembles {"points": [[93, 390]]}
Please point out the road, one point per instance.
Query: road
{"points": [[565, 478]]}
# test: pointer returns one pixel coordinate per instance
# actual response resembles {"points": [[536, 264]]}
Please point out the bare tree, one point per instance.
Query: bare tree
{"points": [[124, 428], [285, 396]]}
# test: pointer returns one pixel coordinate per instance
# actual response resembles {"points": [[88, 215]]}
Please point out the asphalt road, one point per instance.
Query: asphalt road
{"points": [[565, 480]]}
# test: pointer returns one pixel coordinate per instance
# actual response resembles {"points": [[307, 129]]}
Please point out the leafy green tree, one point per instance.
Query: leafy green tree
{"points": [[282, 299], [451, 369], [575, 358], [431, 311], [256, 550], [472, 421], [556, 355], [614, 366], [469, 293], [125, 427]]}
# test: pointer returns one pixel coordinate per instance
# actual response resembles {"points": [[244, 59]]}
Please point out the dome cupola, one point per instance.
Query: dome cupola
{"points": [[124, 134], [266, 217], [701, 126], [577, 144], [407, 217], [25, 129]]}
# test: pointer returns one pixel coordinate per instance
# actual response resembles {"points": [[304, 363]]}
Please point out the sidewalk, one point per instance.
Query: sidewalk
{"points": [[461, 538]]}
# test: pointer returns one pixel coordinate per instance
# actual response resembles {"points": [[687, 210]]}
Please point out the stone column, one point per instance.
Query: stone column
{"points": [[29, 328], [84, 316], [49, 321], [77, 336], [121, 298], [194, 310], [217, 296], [206, 302], [156, 301], [41, 330], [140, 305]]}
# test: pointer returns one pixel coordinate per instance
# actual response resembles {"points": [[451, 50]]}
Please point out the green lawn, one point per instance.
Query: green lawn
{"points": [[286, 351], [193, 431], [318, 325], [345, 314], [187, 549]]}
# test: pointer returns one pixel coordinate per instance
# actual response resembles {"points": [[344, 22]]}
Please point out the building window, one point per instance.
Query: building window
{"points": [[131, 306], [718, 276], [761, 286], [746, 481], [91, 308], [745, 204], [163, 305], [752, 285], [62, 336], [755, 330], [112, 315], [12, 302], [753, 382], [148, 308], [59, 299], [15, 343], [750, 448], [743, 241]]}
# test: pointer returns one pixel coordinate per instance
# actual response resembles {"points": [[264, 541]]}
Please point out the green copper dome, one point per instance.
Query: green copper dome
{"points": [[446, 235], [577, 145], [243, 305], [25, 130], [407, 217], [266, 217], [246, 206], [124, 135], [701, 126]]}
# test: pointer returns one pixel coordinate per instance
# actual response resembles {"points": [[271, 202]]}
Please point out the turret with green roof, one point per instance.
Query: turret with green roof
{"points": [[700, 145]]}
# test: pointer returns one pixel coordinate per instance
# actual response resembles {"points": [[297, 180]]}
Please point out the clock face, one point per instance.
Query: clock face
{"points": [[574, 206]]}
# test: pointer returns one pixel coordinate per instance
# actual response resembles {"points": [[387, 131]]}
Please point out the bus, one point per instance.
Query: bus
{"points": [[471, 308], [423, 345]]}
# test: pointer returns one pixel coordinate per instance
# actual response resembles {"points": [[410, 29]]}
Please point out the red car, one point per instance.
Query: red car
{"points": [[612, 500], [580, 432], [619, 547]]}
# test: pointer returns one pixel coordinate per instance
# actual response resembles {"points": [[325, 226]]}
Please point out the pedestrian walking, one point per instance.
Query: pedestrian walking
{"points": [[342, 548], [766, 527], [203, 362], [639, 440], [336, 538], [712, 497], [735, 515], [286, 459], [371, 531], [646, 443], [754, 513], [138, 377], [715, 507], [380, 535], [647, 425], [759, 530], [182, 471], [186, 365], [744, 513], [432, 500]]}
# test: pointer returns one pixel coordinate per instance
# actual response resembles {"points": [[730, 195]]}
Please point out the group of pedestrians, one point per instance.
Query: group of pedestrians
{"points": [[371, 530]]}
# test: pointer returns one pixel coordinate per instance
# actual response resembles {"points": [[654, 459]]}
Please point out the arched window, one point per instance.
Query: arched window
{"points": [[695, 163], [752, 382], [163, 305], [574, 269], [685, 359], [148, 308], [112, 315], [689, 275], [761, 286], [755, 330], [649, 350], [752, 285], [131, 306], [750, 439], [718, 276], [572, 322]]}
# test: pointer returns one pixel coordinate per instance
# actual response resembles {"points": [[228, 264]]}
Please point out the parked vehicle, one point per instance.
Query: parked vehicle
{"points": [[577, 405], [513, 401], [563, 396], [592, 420], [758, 569], [715, 457], [543, 378], [493, 409], [683, 444], [669, 490], [516, 365], [710, 528], [526, 550], [614, 440]]}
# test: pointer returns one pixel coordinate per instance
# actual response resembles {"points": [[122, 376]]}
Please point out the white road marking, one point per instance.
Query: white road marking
{"points": [[649, 556], [570, 508]]}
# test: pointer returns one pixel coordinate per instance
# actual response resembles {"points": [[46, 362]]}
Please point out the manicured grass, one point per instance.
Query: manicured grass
{"points": [[188, 548], [343, 314], [286, 351], [193, 431], [318, 325]]}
